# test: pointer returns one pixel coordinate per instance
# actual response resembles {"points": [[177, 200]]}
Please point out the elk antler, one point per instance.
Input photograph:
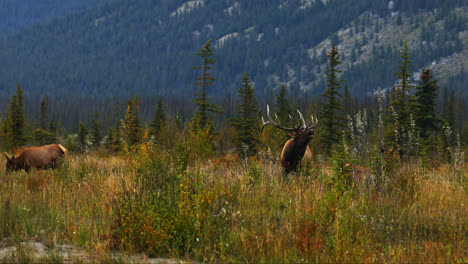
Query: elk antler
{"points": [[294, 128], [312, 122], [271, 122]]}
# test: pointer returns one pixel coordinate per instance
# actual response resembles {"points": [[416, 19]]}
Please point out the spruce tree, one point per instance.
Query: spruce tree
{"points": [[348, 101], [426, 95], [246, 124], [203, 82], [283, 106], [109, 140], [44, 113], [331, 115], [451, 110], [82, 136], [95, 132], [402, 107], [15, 120], [117, 141], [159, 119], [445, 104], [131, 123]]}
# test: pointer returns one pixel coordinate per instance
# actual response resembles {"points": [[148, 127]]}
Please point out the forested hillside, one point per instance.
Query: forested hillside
{"points": [[109, 53], [15, 14]]}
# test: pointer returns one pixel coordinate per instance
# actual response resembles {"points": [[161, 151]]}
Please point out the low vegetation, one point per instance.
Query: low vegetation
{"points": [[177, 203]]}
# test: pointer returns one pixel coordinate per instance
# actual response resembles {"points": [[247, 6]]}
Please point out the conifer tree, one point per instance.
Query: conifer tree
{"points": [[203, 82], [402, 106], [348, 101], [109, 140], [332, 118], [117, 142], [3, 133], [44, 113], [95, 132], [247, 123], [15, 120], [451, 110], [82, 136], [131, 123], [426, 94], [283, 106], [159, 119], [445, 104]]}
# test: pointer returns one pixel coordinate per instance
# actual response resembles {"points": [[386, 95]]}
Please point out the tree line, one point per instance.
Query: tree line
{"points": [[404, 122]]}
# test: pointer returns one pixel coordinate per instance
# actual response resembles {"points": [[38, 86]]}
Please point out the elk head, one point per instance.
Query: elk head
{"points": [[295, 148], [10, 164]]}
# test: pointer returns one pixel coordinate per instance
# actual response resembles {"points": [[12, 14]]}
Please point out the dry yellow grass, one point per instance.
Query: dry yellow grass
{"points": [[267, 217]]}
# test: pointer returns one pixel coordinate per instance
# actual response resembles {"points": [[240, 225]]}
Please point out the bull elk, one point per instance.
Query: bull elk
{"points": [[43, 157], [295, 150]]}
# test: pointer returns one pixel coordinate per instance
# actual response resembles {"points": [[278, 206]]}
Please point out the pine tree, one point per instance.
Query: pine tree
{"points": [[95, 132], [109, 140], [331, 111], [348, 101], [451, 110], [44, 113], [203, 81], [247, 123], [445, 104], [159, 119], [426, 94], [131, 123], [117, 142], [402, 106], [283, 106], [15, 120], [82, 136]]}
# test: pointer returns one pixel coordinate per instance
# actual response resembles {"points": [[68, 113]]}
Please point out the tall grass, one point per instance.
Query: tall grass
{"points": [[170, 203]]}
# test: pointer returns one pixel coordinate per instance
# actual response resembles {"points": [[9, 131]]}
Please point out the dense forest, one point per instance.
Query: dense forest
{"points": [[95, 59], [15, 15]]}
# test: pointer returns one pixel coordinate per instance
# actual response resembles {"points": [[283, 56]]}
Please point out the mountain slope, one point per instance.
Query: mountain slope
{"points": [[147, 47], [15, 14]]}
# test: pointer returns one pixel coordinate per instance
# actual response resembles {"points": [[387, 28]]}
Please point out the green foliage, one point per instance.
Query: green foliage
{"points": [[283, 106], [205, 80], [117, 139], [246, 125], [341, 159], [159, 119], [44, 113], [15, 124], [331, 117], [170, 212], [426, 94], [132, 131], [109, 140], [402, 107], [82, 136], [95, 132], [41, 137]]}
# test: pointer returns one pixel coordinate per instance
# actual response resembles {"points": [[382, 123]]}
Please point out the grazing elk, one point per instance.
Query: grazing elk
{"points": [[296, 149], [43, 157]]}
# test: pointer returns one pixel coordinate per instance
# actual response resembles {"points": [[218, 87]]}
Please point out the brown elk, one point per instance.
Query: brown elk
{"points": [[43, 157], [295, 150]]}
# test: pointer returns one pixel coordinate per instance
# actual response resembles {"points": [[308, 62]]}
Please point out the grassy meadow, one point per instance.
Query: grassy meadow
{"points": [[178, 204]]}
